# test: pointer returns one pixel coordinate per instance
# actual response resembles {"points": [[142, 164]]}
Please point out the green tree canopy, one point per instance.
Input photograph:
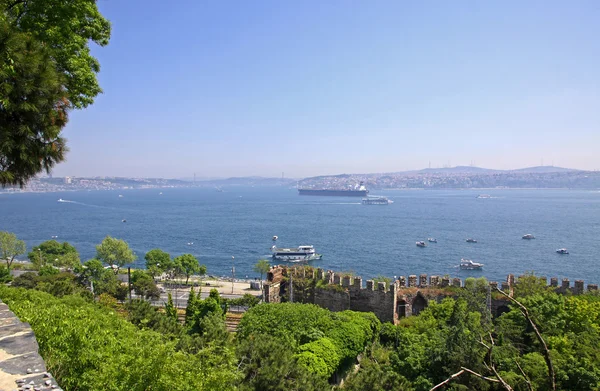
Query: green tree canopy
{"points": [[158, 262], [66, 28], [10, 247], [33, 108], [55, 254], [45, 70], [114, 253], [144, 285], [188, 265], [262, 267]]}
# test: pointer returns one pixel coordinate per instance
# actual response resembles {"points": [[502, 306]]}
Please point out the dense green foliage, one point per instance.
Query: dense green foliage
{"points": [[103, 345], [89, 347], [312, 332], [46, 69], [144, 286], [54, 253]]}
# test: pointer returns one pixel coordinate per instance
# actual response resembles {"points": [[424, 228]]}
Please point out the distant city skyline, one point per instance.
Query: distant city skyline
{"points": [[312, 88]]}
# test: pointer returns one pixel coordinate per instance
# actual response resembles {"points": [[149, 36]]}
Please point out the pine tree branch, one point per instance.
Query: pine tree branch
{"points": [[448, 380]]}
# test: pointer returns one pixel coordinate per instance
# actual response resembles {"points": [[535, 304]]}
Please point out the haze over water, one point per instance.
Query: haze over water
{"points": [[369, 240]]}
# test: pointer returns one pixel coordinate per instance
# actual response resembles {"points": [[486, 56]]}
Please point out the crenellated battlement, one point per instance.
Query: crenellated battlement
{"points": [[407, 295]]}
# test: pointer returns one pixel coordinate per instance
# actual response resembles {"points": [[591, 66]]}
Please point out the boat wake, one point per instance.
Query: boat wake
{"points": [[68, 201]]}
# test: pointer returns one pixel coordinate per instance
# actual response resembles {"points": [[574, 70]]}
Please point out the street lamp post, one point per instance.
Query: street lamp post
{"points": [[232, 273]]}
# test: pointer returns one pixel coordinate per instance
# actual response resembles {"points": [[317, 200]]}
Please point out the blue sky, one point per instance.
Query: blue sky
{"points": [[235, 88]]}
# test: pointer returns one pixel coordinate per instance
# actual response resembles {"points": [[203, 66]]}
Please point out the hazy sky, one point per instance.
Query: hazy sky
{"points": [[232, 88]]}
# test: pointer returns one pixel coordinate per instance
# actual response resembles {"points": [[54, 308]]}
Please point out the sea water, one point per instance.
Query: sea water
{"points": [[234, 228]]}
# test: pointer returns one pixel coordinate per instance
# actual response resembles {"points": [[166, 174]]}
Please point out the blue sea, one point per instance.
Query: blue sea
{"points": [[368, 240]]}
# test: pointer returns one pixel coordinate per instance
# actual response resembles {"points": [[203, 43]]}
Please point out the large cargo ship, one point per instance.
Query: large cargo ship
{"points": [[359, 191]]}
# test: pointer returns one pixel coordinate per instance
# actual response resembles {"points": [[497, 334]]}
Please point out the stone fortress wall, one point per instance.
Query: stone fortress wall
{"points": [[21, 366], [403, 297]]}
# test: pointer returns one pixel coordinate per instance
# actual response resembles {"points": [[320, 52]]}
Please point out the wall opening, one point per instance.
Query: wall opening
{"points": [[419, 304], [401, 308], [502, 310]]}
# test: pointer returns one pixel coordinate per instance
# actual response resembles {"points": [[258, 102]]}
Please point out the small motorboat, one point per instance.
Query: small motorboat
{"points": [[54, 237], [432, 240], [120, 195], [421, 244], [562, 251], [467, 264], [528, 236], [275, 238], [471, 240], [123, 221]]}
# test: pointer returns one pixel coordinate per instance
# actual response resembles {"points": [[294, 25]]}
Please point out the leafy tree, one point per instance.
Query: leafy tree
{"points": [[114, 253], [158, 262], [144, 285], [33, 107], [103, 280], [93, 269], [170, 310], [377, 372], [262, 267], [10, 247], [45, 70], [188, 265], [266, 365], [66, 28], [190, 308], [54, 253]]}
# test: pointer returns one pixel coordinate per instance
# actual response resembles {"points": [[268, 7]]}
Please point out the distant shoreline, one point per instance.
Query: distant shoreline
{"points": [[268, 186]]}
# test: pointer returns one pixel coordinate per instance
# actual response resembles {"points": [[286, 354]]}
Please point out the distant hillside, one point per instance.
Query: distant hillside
{"points": [[457, 170], [247, 181], [543, 169]]}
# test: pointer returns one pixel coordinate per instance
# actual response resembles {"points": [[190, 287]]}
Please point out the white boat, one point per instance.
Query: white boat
{"points": [[61, 200], [275, 238], [484, 196], [120, 195], [528, 236], [432, 240], [421, 244], [296, 254], [471, 240], [376, 200], [562, 251], [467, 264]]}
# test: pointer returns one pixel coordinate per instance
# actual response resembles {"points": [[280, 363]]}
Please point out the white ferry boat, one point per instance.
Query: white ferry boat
{"points": [[376, 201], [467, 264], [528, 236], [297, 254]]}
